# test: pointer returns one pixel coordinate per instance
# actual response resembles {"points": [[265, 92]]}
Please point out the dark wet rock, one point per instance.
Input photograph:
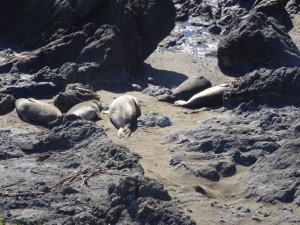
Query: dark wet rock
{"points": [[155, 90], [107, 187], [154, 190], [214, 29], [152, 119], [209, 173], [226, 169], [74, 94], [229, 11], [104, 39], [244, 159], [244, 209], [275, 9], [262, 135], [171, 40], [266, 84], [200, 190], [254, 42], [293, 7], [193, 8], [7, 103], [281, 165], [23, 85]]}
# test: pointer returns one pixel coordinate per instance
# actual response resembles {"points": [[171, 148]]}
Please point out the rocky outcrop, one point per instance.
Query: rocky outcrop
{"points": [[256, 41], [73, 174], [293, 7], [74, 94], [104, 39], [260, 136], [7, 103], [275, 9], [266, 84]]}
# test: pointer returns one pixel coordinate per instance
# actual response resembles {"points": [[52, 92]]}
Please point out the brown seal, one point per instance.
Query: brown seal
{"points": [[187, 89], [36, 111], [210, 97]]}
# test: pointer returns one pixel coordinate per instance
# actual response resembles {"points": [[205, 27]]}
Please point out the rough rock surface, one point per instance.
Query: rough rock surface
{"points": [[254, 42], [74, 94], [152, 119], [256, 135], [275, 9], [73, 174], [267, 84], [105, 39], [7, 103], [293, 7]]}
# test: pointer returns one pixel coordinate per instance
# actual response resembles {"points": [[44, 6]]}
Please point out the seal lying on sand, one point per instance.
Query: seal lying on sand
{"points": [[36, 111], [88, 110], [123, 112], [209, 97], [187, 89]]}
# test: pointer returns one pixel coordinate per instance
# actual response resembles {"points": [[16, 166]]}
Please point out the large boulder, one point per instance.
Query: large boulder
{"points": [[266, 84], [275, 9], [256, 41], [106, 39]]}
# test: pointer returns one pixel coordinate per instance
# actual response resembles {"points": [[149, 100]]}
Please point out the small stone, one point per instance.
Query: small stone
{"points": [[200, 190], [214, 29], [256, 219], [136, 87]]}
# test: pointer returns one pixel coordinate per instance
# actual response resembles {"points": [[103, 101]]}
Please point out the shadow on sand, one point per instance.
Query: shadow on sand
{"points": [[144, 76]]}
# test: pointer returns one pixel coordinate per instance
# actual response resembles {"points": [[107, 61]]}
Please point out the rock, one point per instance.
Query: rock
{"points": [[254, 42], [261, 135], [200, 190], [154, 190], [7, 103], [244, 159], [244, 209], [293, 7], [229, 11], [152, 119], [226, 169], [208, 173], [214, 29], [104, 39], [163, 121], [155, 91], [266, 84], [74, 94], [120, 193], [275, 9]]}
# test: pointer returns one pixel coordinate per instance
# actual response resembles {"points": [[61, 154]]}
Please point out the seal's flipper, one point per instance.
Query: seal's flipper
{"points": [[98, 114], [180, 103], [124, 131]]}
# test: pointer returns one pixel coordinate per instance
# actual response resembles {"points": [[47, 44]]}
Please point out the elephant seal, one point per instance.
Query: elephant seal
{"points": [[187, 89], [32, 110], [209, 97], [88, 110], [123, 113]]}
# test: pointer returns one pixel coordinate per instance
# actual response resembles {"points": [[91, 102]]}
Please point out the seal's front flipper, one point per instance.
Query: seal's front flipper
{"points": [[98, 114], [124, 132]]}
